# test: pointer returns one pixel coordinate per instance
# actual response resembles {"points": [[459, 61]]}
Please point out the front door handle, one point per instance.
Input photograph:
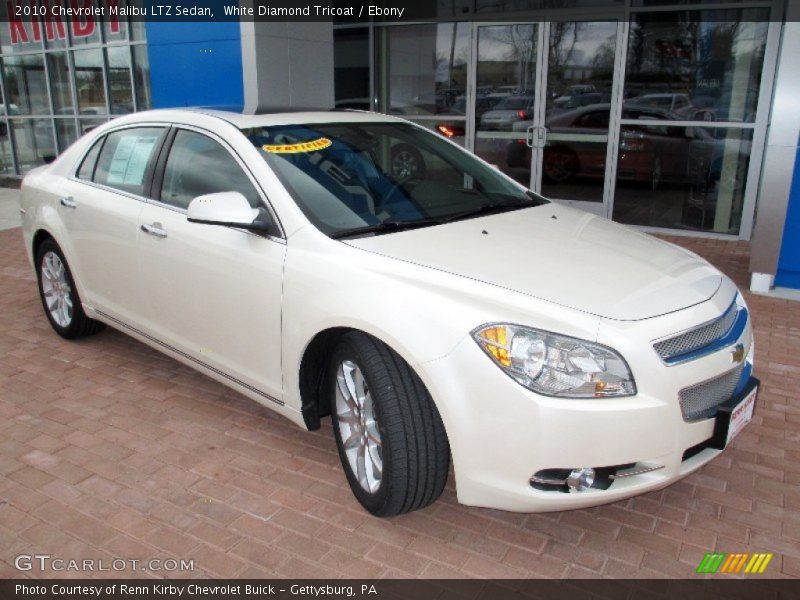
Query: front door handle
{"points": [[68, 202], [154, 229]]}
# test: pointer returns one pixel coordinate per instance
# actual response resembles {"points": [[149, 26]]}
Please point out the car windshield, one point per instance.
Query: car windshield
{"points": [[378, 177]]}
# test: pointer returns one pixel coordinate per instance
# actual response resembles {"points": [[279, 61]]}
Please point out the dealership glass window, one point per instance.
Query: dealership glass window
{"points": [[67, 74], [34, 143], [580, 76], [119, 79], [84, 31], [502, 7], [56, 32], [65, 133], [423, 69], [141, 76], [26, 85], [682, 177], [116, 29], [655, 3], [351, 68], [89, 81], [6, 157], [60, 86], [697, 65]]}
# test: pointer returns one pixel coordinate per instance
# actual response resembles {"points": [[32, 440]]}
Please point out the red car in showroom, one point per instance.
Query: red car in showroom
{"points": [[651, 152]]}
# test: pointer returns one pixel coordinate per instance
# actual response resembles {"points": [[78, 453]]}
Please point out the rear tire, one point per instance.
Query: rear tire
{"points": [[60, 299], [391, 439]]}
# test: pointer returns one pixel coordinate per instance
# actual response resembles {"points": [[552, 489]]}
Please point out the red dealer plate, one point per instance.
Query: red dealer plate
{"points": [[741, 415]]}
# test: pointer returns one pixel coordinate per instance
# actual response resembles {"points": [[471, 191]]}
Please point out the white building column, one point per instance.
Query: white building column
{"points": [[287, 65], [779, 158]]}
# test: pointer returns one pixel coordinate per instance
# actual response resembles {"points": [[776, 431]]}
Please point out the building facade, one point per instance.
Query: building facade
{"points": [[60, 79], [670, 115]]}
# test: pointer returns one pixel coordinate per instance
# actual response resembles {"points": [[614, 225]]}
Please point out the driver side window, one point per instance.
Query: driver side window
{"points": [[198, 165]]}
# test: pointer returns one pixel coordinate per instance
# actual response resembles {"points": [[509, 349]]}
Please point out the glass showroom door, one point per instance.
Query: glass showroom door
{"points": [[543, 106], [505, 97]]}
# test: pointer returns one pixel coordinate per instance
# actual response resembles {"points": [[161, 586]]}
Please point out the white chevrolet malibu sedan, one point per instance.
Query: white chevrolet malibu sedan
{"points": [[356, 265]]}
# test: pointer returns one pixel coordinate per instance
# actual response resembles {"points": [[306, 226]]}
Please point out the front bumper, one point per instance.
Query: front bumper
{"points": [[502, 433]]}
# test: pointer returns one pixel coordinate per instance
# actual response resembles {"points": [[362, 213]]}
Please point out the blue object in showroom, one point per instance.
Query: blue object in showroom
{"points": [[789, 263], [200, 65]]}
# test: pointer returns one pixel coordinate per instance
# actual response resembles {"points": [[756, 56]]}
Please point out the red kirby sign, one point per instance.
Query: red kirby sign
{"points": [[24, 31]]}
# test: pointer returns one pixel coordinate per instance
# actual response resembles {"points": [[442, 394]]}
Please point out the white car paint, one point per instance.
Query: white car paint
{"points": [[243, 308]]}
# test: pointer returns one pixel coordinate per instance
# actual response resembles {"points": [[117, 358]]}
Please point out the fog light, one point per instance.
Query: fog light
{"points": [[580, 479]]}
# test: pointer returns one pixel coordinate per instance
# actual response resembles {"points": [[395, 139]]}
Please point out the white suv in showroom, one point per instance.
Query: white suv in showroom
{"points": [[438, 311]]}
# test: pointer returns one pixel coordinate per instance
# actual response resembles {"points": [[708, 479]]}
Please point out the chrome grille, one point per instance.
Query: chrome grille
{"points": [[701, 401], [697, 338]]}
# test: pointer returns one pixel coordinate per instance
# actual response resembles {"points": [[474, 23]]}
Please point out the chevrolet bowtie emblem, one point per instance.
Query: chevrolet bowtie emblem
{"points": [[737, 354]]}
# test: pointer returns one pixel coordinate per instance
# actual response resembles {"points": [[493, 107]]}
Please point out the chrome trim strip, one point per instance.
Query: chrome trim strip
{"points": [[547, 480], [633, 472], [189, 357]]}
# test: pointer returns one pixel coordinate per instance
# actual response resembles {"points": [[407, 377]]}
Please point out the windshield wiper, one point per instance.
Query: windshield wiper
{"points": [[387, 226], [391, 225], [486, 209]]}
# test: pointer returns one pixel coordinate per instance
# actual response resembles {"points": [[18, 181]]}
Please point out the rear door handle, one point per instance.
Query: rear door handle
{"points": [[68, 202], [154, 229]]}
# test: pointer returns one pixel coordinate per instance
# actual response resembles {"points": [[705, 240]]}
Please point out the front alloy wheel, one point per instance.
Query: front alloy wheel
{"points": [[390, 436], [355, 414]]}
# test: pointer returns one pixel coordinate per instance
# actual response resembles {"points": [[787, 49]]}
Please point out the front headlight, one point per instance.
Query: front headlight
{"points": [[556, 365]]}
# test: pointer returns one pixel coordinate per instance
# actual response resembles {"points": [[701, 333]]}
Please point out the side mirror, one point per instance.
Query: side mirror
{"points": [[227, 208]]}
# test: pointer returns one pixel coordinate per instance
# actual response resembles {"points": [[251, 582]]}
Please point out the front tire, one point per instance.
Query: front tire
{"points": [[391, 439], [59, 295]]}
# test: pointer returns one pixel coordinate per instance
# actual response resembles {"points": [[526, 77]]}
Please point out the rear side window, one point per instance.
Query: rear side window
{"points": [[90, 160], [124, 158]]}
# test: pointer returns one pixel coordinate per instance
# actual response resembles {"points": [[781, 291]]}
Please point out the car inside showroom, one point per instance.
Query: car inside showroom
{"points": [[399, 298]]}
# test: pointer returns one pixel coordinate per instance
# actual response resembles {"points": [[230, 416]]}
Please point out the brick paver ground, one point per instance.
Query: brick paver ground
{"points": [[110, 449]]}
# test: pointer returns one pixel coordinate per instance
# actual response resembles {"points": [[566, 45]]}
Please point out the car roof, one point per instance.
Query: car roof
{"points": [[281, 116]]}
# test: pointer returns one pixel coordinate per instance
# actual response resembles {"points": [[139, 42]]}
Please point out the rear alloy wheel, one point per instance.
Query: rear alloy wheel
{"points": [[390, 436], [60, 299]]}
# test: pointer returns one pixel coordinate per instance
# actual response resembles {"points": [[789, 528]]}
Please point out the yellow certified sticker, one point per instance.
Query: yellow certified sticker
{"points": [[311, 146]]}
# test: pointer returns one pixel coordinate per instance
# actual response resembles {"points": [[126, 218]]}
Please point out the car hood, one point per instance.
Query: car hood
{"points": [[560, 255]]}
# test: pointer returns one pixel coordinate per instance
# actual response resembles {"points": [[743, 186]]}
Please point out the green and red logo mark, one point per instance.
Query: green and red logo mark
{"points": [[734, 563]]}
